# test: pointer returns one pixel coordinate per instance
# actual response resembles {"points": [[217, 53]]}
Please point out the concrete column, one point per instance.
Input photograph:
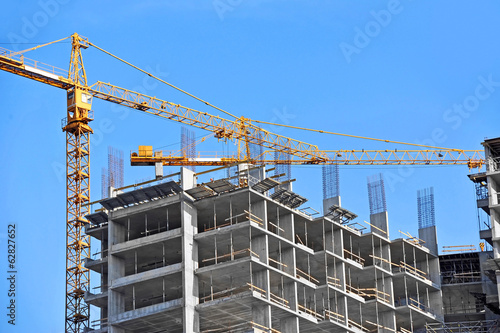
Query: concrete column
{"points": [[112, 192], [434, 270], [494, 216], [338, 304], [389, 288], [116, 269], [495, 232], [116, 233], [259, 245], [334, 272], [340, 273], [492, 191], [290, 325], [380, 221], [290, 294], [288, 258], [436, 301], [287, 186], [243, 173], [259, 209], [342, 308], [188, 179], [328, 236], [429, 236], [260, 279], [190, 262], [387, 319], [330, 269], [338, 242], [158, 170], [497, 274], [327, 203], [261, 314], [258, 173], [286, 223], [386, 254], [384, 283]]}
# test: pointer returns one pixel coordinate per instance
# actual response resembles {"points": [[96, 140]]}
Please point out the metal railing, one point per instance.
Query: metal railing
{"points": [[493, 164], [480, 326], [415, 304], [22, 60]]}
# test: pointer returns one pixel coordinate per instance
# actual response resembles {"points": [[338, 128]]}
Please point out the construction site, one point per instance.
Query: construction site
{"points": [[239, 255], [194, 251]]}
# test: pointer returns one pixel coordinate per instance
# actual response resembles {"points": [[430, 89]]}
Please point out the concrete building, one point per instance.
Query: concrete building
{"points": [[471, 281], [465, 287], [488, 202], [469, 293], [226, 257]]}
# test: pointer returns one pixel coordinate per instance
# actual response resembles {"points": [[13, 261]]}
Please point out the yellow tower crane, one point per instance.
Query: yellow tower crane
{"points": [[78, 130]]}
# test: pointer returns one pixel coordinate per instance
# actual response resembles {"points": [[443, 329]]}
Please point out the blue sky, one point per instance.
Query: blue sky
{"points": [[398, 70]]}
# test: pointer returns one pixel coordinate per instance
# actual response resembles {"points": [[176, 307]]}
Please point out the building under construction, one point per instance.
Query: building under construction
{"points": [[470, 281], [469, 294], [238, 255]]}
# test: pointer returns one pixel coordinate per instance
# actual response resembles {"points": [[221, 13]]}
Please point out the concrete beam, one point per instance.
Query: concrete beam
{"points": [[124, 317], [144, 207], [144, 241], [145, 276]]}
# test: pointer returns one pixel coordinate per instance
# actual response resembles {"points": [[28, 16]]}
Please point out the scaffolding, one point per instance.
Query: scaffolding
{"points": [[460, 268], [480, 326]]}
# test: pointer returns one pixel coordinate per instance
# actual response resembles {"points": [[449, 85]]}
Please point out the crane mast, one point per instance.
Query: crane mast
{"points": [[76, 126]]}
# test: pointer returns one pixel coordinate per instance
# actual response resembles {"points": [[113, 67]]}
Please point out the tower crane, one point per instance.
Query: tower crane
{"points": [[77, 127]]}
